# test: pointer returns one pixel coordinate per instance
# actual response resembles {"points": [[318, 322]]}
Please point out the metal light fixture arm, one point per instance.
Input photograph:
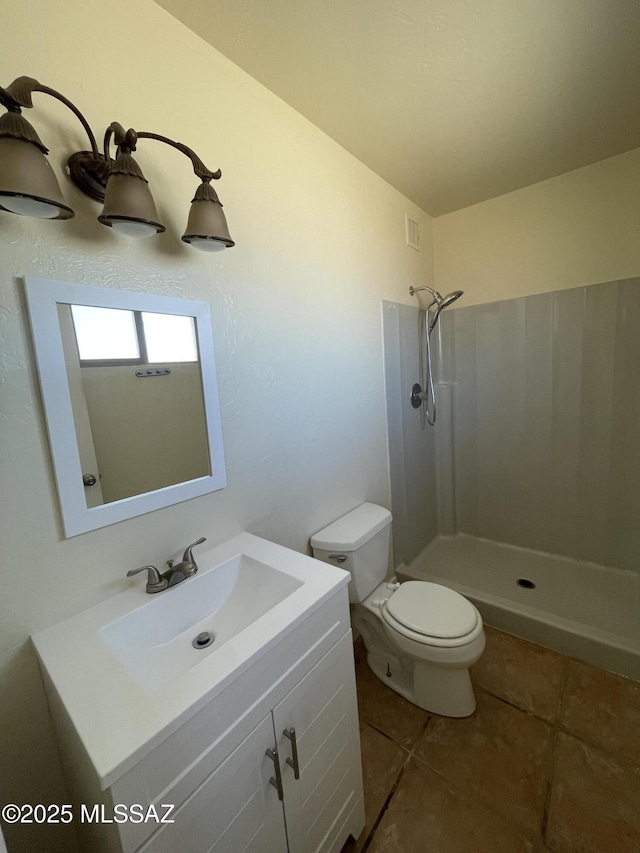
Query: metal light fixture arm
{"points": [[128, 139], [18, 95]]}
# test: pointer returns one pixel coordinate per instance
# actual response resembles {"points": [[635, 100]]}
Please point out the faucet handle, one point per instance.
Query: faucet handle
{"points": [[155, 581], [187, 557]]}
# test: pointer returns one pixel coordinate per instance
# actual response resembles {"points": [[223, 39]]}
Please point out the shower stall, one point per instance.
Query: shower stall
{"points": [[525, 494]]}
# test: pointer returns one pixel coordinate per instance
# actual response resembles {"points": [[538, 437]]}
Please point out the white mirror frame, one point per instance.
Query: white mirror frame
{"points": [[43, 297]]}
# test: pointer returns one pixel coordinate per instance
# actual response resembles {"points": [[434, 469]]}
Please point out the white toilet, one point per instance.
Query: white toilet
{"points": [[421, 638]]}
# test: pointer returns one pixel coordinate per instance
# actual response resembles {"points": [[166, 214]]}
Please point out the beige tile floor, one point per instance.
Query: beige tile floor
{"points": [[550, 761]]}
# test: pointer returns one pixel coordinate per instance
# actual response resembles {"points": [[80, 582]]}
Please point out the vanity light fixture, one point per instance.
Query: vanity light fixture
{"points": [[28, 185]]}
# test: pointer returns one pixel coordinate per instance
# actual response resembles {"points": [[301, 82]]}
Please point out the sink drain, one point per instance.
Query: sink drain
{"points": [[203, 640]]}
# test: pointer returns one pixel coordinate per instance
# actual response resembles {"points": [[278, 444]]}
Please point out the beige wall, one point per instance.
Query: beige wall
{"points": [[147, 433], [576, 229], [295, 310]]}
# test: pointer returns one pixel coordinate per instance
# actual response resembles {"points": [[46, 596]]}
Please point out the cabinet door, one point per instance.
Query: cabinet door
{"points": [[235, 809], [323, 711]]}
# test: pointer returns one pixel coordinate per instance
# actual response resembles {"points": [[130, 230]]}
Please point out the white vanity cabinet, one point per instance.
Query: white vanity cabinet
{"points": [[234, 809], [238, 807], [322, 711], [227, 793]]}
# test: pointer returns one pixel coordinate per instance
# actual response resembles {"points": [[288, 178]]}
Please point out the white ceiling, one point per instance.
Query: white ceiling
{"points": [[451, 101]]}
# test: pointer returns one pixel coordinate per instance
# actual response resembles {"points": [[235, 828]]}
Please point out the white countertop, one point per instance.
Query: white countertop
{"points": [[117, 719]]}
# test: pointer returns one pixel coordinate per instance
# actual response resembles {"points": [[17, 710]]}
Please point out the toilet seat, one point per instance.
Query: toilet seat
{"points": [[432, 614], [432, 609]]}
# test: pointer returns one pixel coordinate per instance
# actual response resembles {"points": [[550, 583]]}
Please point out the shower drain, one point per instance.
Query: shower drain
{"points": [[203, 640], [526, 583]]}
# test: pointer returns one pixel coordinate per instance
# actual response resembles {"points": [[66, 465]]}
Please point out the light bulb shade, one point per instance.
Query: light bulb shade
{"points": [[207, 226], [28, 185], [128, 201]]}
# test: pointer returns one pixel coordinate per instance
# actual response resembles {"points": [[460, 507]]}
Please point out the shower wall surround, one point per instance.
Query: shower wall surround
{"points": [[412, 449], [547, 421]]}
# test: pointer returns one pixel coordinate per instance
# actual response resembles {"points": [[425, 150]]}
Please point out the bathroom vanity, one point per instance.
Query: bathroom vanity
{"points": [[253, 741]]}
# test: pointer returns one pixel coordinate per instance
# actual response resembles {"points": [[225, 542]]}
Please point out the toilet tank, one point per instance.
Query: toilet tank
{"points": [[359, 543]]}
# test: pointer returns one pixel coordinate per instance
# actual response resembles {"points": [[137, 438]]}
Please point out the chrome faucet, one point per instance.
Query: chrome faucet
{"points": [[155, 581], [186, 568]]}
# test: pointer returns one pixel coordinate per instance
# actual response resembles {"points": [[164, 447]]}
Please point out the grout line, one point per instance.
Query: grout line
{"points": [[364, 719], [624, 763], [419, 738], [472, 797], [408, 754], [382, 732], [554, 752], [563, 687], [513, 705], [386, 805]]}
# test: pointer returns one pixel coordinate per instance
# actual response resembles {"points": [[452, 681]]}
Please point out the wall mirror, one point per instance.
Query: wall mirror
{"points": [[130, 395]]}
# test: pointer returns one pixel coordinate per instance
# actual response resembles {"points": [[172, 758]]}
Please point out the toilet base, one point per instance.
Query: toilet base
{"points": [[433, 688], [441, 685]]}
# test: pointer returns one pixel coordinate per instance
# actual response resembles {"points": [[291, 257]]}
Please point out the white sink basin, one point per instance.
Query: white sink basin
{"points": [[154, 642], [126, 671]]}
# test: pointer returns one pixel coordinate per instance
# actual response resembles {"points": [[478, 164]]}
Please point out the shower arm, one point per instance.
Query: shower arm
{"points": [[434, 293], [437, 301]]}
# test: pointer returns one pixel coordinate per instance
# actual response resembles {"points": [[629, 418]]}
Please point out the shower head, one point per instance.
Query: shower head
{"points": [[442, 303], [445, 301], [440, 300]]}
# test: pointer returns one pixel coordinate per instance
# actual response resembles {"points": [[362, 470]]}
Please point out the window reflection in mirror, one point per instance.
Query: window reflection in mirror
{"points": [[138, 430], [116, 335], [105, 334]]}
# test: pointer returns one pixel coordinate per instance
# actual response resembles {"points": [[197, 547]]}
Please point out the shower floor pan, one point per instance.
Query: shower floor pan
{"points": [[580, 609]]}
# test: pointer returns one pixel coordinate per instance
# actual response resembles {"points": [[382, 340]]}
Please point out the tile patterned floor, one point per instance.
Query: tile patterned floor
{"points": [[548, 763]]}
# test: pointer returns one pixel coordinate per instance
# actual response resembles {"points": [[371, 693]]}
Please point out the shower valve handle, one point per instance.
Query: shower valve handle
{"points": [[416, 395]]}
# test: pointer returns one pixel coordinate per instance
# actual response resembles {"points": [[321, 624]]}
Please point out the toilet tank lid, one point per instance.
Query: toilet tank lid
{"points": [[352, 530]]}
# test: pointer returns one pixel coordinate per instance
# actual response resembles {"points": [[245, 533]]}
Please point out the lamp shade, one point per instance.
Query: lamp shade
{"points": [[28, 185], [128, 204], [207, 228]]}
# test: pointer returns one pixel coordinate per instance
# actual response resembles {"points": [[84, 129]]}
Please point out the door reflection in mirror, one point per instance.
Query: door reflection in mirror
{"points": [[138, 433]]}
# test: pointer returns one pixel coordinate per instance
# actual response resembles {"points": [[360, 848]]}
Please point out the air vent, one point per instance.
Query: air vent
{"points": [[413, 232]]}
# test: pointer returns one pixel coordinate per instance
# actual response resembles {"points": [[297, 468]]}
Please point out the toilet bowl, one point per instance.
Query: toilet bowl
{"points": [[426, 662], [421, 638]]}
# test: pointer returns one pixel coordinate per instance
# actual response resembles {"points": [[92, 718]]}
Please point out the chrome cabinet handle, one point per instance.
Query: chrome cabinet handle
{"points": [[293, 762], [277, 782]]}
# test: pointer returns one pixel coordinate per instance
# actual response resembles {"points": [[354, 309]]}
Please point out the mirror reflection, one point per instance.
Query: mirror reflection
{"points": [[130, 397], [137, 399]]}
